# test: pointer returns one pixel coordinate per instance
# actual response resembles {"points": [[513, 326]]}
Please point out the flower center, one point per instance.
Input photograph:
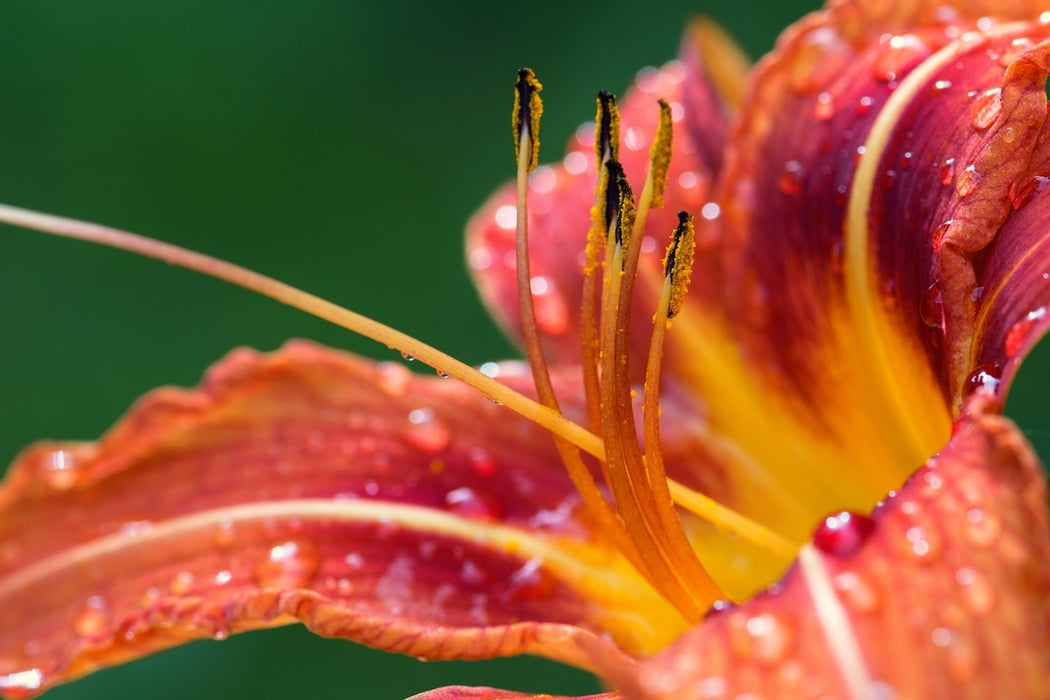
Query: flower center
{"points": [[643, 521]]}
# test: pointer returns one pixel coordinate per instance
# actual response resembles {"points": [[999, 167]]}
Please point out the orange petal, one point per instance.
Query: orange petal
{"points": [[944, 593], [806, 335], [461, 692], [405, 513]]}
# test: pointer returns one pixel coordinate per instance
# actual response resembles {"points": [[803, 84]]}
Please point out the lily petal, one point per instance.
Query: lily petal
{"points": [[308, 485], [931, 598], [461, 692]]}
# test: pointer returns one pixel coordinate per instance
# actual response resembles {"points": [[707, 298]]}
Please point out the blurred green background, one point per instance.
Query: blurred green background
{"points": [[335, 145]]}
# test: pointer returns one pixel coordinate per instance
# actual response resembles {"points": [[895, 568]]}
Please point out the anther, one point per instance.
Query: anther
{"points": [[627, 211], [526, 115], [660, 156], [607, 128], [678, 262]]}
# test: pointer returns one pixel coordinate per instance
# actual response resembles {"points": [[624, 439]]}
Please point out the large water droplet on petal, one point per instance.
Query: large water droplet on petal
{"points": [[469, 503], [767, 637], [288, 565], [425, 432], [843, 533]]}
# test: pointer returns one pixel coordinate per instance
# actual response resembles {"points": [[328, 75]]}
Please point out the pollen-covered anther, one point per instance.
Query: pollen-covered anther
{"points": [[660, 157], [627, 213], [606, 128], [528, 107], [678, 262]]}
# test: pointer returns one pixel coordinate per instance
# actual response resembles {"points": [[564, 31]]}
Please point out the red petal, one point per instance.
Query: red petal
{"points": [[945, 595], [461, 692], [405, 513], [560, 199]]}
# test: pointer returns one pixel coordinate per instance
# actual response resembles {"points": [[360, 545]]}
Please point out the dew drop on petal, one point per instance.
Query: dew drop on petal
{"points": [[18, 682], [931, 306], [289, 564], [791, 178], [1022, 192], [947, 171], [766, 637], [982, 527], [181, 583], [93, 619], [393, 378], [968, 181], [60, 469], [824, 109], [856, 592], [843, 533], [924, 543], [468, 503], [986, 108], [425, 431], [985, 378], [977, 593], [1020, 331], [481, 461]]}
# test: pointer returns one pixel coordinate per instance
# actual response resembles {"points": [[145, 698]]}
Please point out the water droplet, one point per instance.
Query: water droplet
{"points": [[978, 594], [18, 682], [824, 109], [393, 378], [906, 160], [968, 181], [947, 171], [469, 503], [895, 54], [791, 178], [425, 431], [289, 564], [843, 533], [93, 619], [856, 592], [181, 583], [985, 378], [61, 469], [986, 108], [889, 178], [864, 105], [1022, 192], [481, 461], [223, 577], [766, 637], [1020, 331], [939, 234], [982, 527], [931, 306], [925, 543], [532, 582]]}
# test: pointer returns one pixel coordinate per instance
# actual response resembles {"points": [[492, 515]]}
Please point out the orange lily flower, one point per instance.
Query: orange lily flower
{"points": [[870, 269]]}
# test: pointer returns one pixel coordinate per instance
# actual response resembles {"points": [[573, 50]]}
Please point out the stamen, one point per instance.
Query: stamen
{"points": [[526, 115], [528, 94], [653, 525], [677, 266], [607, 148], [606, 129]]}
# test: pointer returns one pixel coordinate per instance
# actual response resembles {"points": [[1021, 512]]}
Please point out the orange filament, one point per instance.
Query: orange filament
{"points": [[570, 455], [607, 149]]}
